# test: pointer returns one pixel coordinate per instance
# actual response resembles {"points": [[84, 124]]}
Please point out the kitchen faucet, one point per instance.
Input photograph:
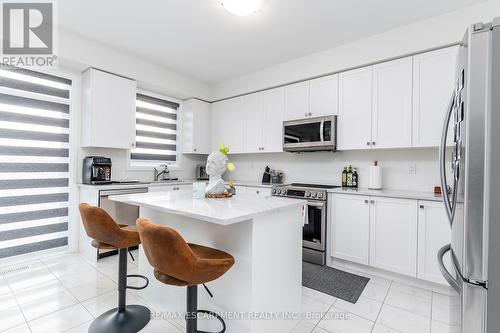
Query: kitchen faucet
{"points": [[165, 172]]}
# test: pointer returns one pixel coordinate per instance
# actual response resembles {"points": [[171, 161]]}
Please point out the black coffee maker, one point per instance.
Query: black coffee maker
{"points": [[96, 170]]}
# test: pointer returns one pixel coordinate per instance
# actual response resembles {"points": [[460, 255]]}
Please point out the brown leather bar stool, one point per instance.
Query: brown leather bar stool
{"points": [[106, 233], [181, 264]]}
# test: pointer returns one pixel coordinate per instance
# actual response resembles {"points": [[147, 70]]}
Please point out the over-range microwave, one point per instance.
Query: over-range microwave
{"points": [[310, 134]]}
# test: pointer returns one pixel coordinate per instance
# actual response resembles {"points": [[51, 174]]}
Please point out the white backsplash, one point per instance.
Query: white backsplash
{"points": [[119, 170], [315, 167], [326, 167]]}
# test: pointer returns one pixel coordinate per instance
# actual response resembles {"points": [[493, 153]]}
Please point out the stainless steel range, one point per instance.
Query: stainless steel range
{"points": [[314, 234]]}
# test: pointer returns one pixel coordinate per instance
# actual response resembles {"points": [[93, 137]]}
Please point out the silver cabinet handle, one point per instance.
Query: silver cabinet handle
{"points": [[194, 149], [373, 143], [366, 201], [372, 201], [368, 143], [422, 207], [310, 114], [447, 275], [449, 205], [257, 191], [305, 114]]}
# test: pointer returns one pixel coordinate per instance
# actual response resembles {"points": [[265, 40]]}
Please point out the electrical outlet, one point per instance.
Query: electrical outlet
{"points": [[412, 168]]}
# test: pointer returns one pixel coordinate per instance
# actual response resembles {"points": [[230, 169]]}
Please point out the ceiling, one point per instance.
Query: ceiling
{"points": [[201, 39]]}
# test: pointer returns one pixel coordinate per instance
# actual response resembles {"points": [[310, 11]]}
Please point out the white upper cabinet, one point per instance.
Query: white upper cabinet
{"points": [[433, 233], [355, 109], [297, 101], [228, 124], [108, 99], [392, 104], [393, 235], [350, 227], [433, 84], [274, 112], [196, 127], [254, 121], [324, 96]]}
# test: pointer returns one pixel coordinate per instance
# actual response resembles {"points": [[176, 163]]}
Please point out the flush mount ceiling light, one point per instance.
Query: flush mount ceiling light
{"points": [[241, 7]]}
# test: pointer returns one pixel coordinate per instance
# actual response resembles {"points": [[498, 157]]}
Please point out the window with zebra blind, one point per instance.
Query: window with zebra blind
{"points": [[34, 161], [156, 132]]}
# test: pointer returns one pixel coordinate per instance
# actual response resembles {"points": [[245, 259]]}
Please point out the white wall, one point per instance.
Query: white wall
{"points": [[420, 36], [326, 167], [79, 53]]}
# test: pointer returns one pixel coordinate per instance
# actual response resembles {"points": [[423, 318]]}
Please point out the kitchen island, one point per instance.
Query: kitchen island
{"points": [[262, 292]]}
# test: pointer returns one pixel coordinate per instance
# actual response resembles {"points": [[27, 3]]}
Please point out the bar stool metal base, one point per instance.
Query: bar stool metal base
{"points": [[192, 312], [132, 320]]}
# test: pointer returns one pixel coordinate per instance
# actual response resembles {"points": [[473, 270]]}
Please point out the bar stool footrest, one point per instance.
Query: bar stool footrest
{"points": [[215, 315], [140, 277]]}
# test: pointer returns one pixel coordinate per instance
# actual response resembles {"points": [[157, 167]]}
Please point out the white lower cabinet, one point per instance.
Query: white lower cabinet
{"points": [[396, 235], [433, 233], [259, 190], [393, 235], [350, 227], [167, 188]]}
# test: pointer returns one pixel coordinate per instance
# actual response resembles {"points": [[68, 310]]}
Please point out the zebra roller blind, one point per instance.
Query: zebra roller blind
{"points": [[156, 132], [34, 161]]}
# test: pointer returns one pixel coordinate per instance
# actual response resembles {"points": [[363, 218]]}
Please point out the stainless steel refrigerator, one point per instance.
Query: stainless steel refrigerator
{"points": [[473, 205]]}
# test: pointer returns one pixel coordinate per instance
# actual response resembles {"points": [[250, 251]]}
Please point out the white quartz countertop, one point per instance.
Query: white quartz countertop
{"points": [[115, 186], [417, 195], [241, 207]]}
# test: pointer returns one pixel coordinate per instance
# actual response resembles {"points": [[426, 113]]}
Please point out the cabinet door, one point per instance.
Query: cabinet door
{"points": [[227, 124], [202, 128], [433, 84], [254, 120], [392, 104], [169, 188], [433, 233], [350, 227], [297, 101], [324, 96], [263, 191], [274, 110], [112, 101], [393, 235], [196, 127], [355, 109]]}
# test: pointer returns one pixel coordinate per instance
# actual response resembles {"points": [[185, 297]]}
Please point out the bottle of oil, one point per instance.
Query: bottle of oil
{"points": [[355, 178], [349, 177], [344, 177]]}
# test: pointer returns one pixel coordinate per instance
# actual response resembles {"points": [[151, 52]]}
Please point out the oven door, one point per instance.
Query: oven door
{"points": [[314, 232], [310, 134]]}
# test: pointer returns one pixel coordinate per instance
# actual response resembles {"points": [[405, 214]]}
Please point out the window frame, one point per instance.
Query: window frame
{"points": [[171, 166]]}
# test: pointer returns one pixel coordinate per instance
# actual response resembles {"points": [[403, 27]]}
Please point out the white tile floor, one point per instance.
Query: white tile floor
{"points": [[65, 293]]}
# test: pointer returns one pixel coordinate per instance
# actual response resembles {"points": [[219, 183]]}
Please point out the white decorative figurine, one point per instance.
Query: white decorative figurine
{"points": [[217, 164]]}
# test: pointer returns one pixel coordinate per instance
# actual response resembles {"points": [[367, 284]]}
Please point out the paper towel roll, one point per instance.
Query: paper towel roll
{"points": [[375, 177]]}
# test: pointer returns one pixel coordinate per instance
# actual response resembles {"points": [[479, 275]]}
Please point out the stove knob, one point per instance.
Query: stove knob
{"points": [[320, 195], [274, 191], [313, 195], [308, 194]]}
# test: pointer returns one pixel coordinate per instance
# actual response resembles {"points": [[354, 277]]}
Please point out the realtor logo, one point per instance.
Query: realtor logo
{"points": [[28, 34], [27, 28]]}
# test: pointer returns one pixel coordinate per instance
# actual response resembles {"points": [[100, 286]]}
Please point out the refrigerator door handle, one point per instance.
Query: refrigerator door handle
{"points": [[449, 206], [447, 275]]}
